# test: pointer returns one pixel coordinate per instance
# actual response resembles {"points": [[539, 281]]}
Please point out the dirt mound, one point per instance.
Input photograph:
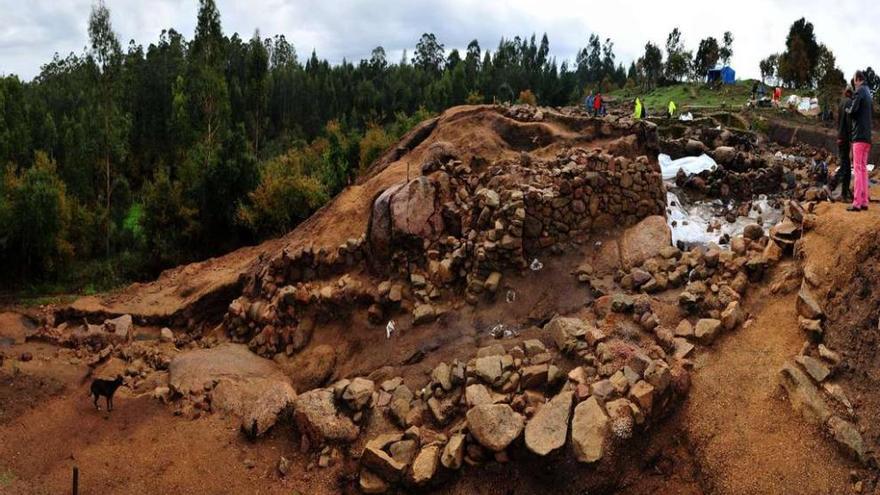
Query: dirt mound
{"points": [[480, 134]]}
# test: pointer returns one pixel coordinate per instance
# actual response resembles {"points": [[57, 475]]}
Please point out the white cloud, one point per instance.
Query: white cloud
{"points": [[31, 31]]}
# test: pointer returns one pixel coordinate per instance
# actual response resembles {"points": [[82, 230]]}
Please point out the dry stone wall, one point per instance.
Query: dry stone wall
{"points": [[456, 227]]}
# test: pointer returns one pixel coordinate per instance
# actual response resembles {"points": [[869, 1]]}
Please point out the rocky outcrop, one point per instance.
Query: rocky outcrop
{"points": [[235, 381]]}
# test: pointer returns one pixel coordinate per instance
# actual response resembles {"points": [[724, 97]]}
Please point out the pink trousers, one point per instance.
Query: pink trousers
{"points": [[861, 193]]}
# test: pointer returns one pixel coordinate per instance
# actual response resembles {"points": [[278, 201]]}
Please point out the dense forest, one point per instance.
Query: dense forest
{"points": [[118, 162]]}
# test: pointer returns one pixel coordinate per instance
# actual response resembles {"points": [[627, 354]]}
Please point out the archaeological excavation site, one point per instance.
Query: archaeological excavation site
{"points": [[511, 299]]}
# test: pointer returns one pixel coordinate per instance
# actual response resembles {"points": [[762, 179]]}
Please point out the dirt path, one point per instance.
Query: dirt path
{"points": [[748, 439]]}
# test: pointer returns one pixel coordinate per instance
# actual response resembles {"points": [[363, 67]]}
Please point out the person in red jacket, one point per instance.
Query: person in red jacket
{"points": [[597, 104]]}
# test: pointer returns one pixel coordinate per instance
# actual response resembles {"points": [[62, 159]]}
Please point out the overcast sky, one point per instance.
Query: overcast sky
{"points": [[31, 31]]}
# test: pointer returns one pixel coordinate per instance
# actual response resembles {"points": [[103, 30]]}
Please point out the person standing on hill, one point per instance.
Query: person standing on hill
{"points": [[588, 102], [844, 143], [637, 114], [672, 108], [597, 104], [860, 111]]}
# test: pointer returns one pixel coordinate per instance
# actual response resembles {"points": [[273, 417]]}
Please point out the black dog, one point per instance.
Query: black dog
{"points": [[105, 388]]}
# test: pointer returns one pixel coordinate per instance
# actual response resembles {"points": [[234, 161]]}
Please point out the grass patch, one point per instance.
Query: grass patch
{"points": [[689, 96], [6, 477]]}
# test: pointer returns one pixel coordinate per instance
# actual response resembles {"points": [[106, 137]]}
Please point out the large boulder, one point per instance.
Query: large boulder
{"points": [[643, 241], [379, 229], [548, 429], [589, 431], [405, 210], [253, 388], [495, 426]]}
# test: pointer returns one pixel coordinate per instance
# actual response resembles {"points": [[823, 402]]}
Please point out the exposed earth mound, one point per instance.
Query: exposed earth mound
{"points": [[497, 306]]}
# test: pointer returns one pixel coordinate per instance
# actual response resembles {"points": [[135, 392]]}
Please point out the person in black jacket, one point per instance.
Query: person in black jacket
{"points": [[860, 111], [844, 136]]}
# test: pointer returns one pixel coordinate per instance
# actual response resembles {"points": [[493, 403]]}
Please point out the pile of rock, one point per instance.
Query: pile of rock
{"points": [[520, 399]]}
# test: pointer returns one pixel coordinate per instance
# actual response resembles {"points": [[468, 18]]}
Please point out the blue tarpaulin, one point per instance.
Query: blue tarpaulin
{"points": [[725, 74]]}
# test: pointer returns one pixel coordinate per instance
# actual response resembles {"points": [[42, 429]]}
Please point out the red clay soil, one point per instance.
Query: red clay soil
{"points": [[742, 428]]}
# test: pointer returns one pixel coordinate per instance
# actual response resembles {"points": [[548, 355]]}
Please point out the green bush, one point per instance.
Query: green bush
{"points": [[35, 215], [169, 221], [373, 144], [284, 197]]}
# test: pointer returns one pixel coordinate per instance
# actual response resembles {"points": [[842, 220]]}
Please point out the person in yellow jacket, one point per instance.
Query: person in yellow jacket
{"points": [[638, 112], [672, 108]]}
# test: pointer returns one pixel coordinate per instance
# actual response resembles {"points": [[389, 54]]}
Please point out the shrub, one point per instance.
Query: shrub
{"points": [[169, 221], [284, 197], [527, 97], [35, 215], [475, 98], [373, 144]]}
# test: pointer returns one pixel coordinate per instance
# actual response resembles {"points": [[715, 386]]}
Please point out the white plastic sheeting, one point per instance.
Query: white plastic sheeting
{"points": [[690, 223], [686, 117], [804, 105], [690, 164]]}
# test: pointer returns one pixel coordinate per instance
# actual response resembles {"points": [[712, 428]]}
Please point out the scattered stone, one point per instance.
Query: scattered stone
{"points": [[706, 330], [283, 466], [477, 395], [166, 335], [442, 375], [121, 327], [453, 452], [807, 305], [424, 313], [732, 316], [358, 393], [494, 426], [548, 428], [372, 483], [534, 376], [813, 328], [566, 332], [589, 430], [404, 451], [377, 459], [534, 347], [621, 303], [753, 232], [814, 367], [316, 415], [684, 329], [424, 466], [804, 395], [829, 355], [488, 369], [642, 393], [848, 437], [682, 348]]}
